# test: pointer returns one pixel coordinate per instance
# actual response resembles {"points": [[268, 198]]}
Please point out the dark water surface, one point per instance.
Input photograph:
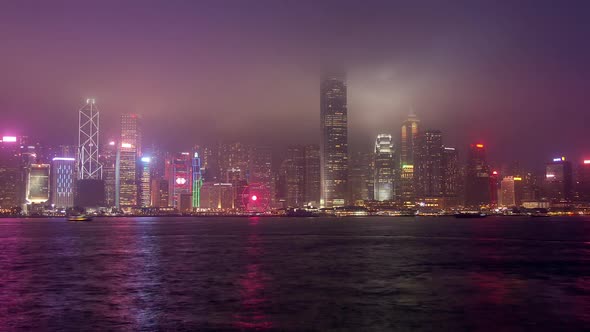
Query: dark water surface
{"points": [[426, 274]]}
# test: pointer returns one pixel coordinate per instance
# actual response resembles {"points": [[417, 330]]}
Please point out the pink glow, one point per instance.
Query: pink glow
{"points": [[9, 138]]}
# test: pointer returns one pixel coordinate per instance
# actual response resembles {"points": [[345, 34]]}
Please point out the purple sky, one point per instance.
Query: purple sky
{"points": [[513, 74]]}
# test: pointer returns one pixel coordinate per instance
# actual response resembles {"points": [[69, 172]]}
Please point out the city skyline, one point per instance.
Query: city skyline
{"points": [[473, 66]]}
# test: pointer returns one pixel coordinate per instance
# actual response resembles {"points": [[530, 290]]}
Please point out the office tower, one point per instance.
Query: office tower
{"points": [[131, 132], [88, 135], [429, 165], [217, 196], [361, 177], [145, 182], [38, 184], [209, 164], [129, 155], [477, 178], [530, 187], [179, 176], [558, 180], [11, 176], [384, 168], [507, 192], [62, 182], [197, 180], [583, 181], [409, 138], [312, 175], [160, 189], [451, 184], [108, 160], [291, 177], [334, 140], [234, 160], [261, 166]]}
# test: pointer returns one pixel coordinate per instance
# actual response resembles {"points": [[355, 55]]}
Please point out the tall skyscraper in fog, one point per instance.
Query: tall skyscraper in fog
{"points": [[312, 180], [384, 168], [558, 180], [409, 137], [334, 140], [452, 183], [429, 167], [477, 178]]}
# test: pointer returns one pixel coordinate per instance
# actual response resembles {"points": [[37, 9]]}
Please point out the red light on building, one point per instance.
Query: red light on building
{"points": [[479, 146], [587, 162], [254, 197], [495, 173]]}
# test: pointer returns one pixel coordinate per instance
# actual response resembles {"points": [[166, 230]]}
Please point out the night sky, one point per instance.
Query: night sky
{"points": [[512, 74]]}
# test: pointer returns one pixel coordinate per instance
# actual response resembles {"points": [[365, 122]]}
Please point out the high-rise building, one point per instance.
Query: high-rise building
{"points": [[384, 168], [62, 182], [261, 166], [558, 180], [160, 189], [409, 138], [334, 140], [477, 178], [145, 182], [11, 176], [291, 177], [38, 185], [179, 176], [583, 181], [88, 143], [507, 192], [129, 156], [429, 165], [361, 177], [451, 176], [108, 160], [312, 177], [197, 180]]}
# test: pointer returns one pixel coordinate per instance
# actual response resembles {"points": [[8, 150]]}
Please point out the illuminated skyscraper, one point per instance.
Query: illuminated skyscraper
{"points": [[145, 182], [197, 180], [312, 191], [409, 137], [429, 166], [62, 182], [179, 176], [558, 180], [384, 168], [88, 135], [583, 181], [477, 178], [507, 192], [130, 153], [334, 141], [11, 176], [38, 184]]}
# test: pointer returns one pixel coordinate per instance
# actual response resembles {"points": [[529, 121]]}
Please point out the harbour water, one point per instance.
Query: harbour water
{"points": [[369, 274]]}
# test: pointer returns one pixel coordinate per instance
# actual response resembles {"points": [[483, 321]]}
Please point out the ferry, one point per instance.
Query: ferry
{"points": [[80, 217], [470, 214]]}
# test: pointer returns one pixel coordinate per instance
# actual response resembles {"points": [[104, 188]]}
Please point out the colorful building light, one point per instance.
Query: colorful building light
{"points": [[8, 138], [495, 173], [516, 178], [557, 159], [63, 159], [587, 162], [126, 145], [146, 159], [479, 146]]}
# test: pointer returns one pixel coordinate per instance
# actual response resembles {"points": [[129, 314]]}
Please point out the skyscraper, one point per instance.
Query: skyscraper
{"points": [[334, 140], [429, 166], [384, 168], [197, 180], [179, 176], [312, 191], [291, 177], [583, 181], [409, 137], [145, 182], [88, 135], [451, 177], [130, 152], [62, 182], [11, 176], [558, 180], [477, 178], [38, 185]]}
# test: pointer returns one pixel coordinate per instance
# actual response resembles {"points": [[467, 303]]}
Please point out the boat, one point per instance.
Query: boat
{"points": [[80, 217], [470, 215]]}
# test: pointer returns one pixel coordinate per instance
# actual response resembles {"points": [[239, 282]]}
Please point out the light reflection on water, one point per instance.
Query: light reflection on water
{"points": [[294, 274]]}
